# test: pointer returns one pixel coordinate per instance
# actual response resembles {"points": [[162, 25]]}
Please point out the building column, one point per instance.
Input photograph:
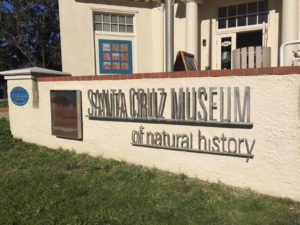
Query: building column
{"points": [[289, 26], [192, 25]]}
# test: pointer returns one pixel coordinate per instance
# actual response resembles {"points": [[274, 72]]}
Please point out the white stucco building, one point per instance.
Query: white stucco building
{"points": [[119, 36]]}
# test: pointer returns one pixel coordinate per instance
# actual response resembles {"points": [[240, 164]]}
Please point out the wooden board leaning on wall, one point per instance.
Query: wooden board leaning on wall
{"points": [[185, 62]]}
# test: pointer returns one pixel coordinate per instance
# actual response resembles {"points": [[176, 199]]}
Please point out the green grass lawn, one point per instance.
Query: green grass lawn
{"points": [[3, 104], [42, 186]]}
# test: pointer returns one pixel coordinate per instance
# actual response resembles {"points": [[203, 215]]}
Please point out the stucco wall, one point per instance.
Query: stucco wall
{"points": [[77, 39], [275, 114]]}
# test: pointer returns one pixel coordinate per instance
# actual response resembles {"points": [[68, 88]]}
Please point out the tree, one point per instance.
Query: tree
{"points": [[29, 34]]}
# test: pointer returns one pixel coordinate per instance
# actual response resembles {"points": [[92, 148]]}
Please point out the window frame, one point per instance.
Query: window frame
{"points": [[237, 16], [110, 23], [97, 35]]}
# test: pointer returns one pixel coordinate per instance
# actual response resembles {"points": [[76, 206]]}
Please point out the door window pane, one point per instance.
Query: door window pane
{"points": [[114, 28], [115, 65], [114, 19], [232, 11], [242, 21], [242, 9], [222, 23], [122, 28], [106, 18], [106, 27], [232, 22], [130, 29], [98, 26], [222, 12], [263, 18], [122, 19], [252, 19], [115, 47], [98, 18], [129, 19], [263, 6], [124, 47], [252, 7], [116, 56]]}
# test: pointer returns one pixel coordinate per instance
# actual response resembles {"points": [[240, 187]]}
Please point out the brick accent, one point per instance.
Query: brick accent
{"points": [[3, 110], [182, 74]]}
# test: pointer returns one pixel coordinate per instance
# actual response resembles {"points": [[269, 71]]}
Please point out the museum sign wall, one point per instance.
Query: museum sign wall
{"points": [[240, 127]]}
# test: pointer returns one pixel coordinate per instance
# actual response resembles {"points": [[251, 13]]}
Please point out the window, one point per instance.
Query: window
{"points": [[113, 22], [242, 15], [115, 56]]}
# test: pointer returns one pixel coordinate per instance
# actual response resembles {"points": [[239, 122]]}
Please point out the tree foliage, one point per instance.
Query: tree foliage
{"points": [[29, 34]]}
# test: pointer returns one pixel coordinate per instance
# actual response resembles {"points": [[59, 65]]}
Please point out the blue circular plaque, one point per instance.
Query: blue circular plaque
{"points": [[19, 96]]}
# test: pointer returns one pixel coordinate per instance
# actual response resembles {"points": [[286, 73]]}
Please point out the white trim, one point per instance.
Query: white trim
{"points": [[114, 11], [241, 29], [120, 34], [32, 70], [19, 77], [135, 58]]}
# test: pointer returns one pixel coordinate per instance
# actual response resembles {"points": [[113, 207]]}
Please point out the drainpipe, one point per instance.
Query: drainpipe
{"points": [[169, 35]]}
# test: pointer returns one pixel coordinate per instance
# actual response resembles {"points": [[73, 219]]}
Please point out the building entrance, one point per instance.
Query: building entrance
{"points": [[229, 42], [247, 39]]}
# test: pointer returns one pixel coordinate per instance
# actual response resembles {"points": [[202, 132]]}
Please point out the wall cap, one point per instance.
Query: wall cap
{"points": [[33, 71], [268, 71]]}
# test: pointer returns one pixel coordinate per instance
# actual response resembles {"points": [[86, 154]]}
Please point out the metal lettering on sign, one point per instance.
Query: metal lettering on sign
{"points": [[199, 143], [217, 107], [19, 96], [197, 106]]}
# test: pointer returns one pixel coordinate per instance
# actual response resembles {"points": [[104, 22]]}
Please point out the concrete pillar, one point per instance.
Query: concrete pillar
{"points": [[192, 24], [27, 98], [289, 26]]}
